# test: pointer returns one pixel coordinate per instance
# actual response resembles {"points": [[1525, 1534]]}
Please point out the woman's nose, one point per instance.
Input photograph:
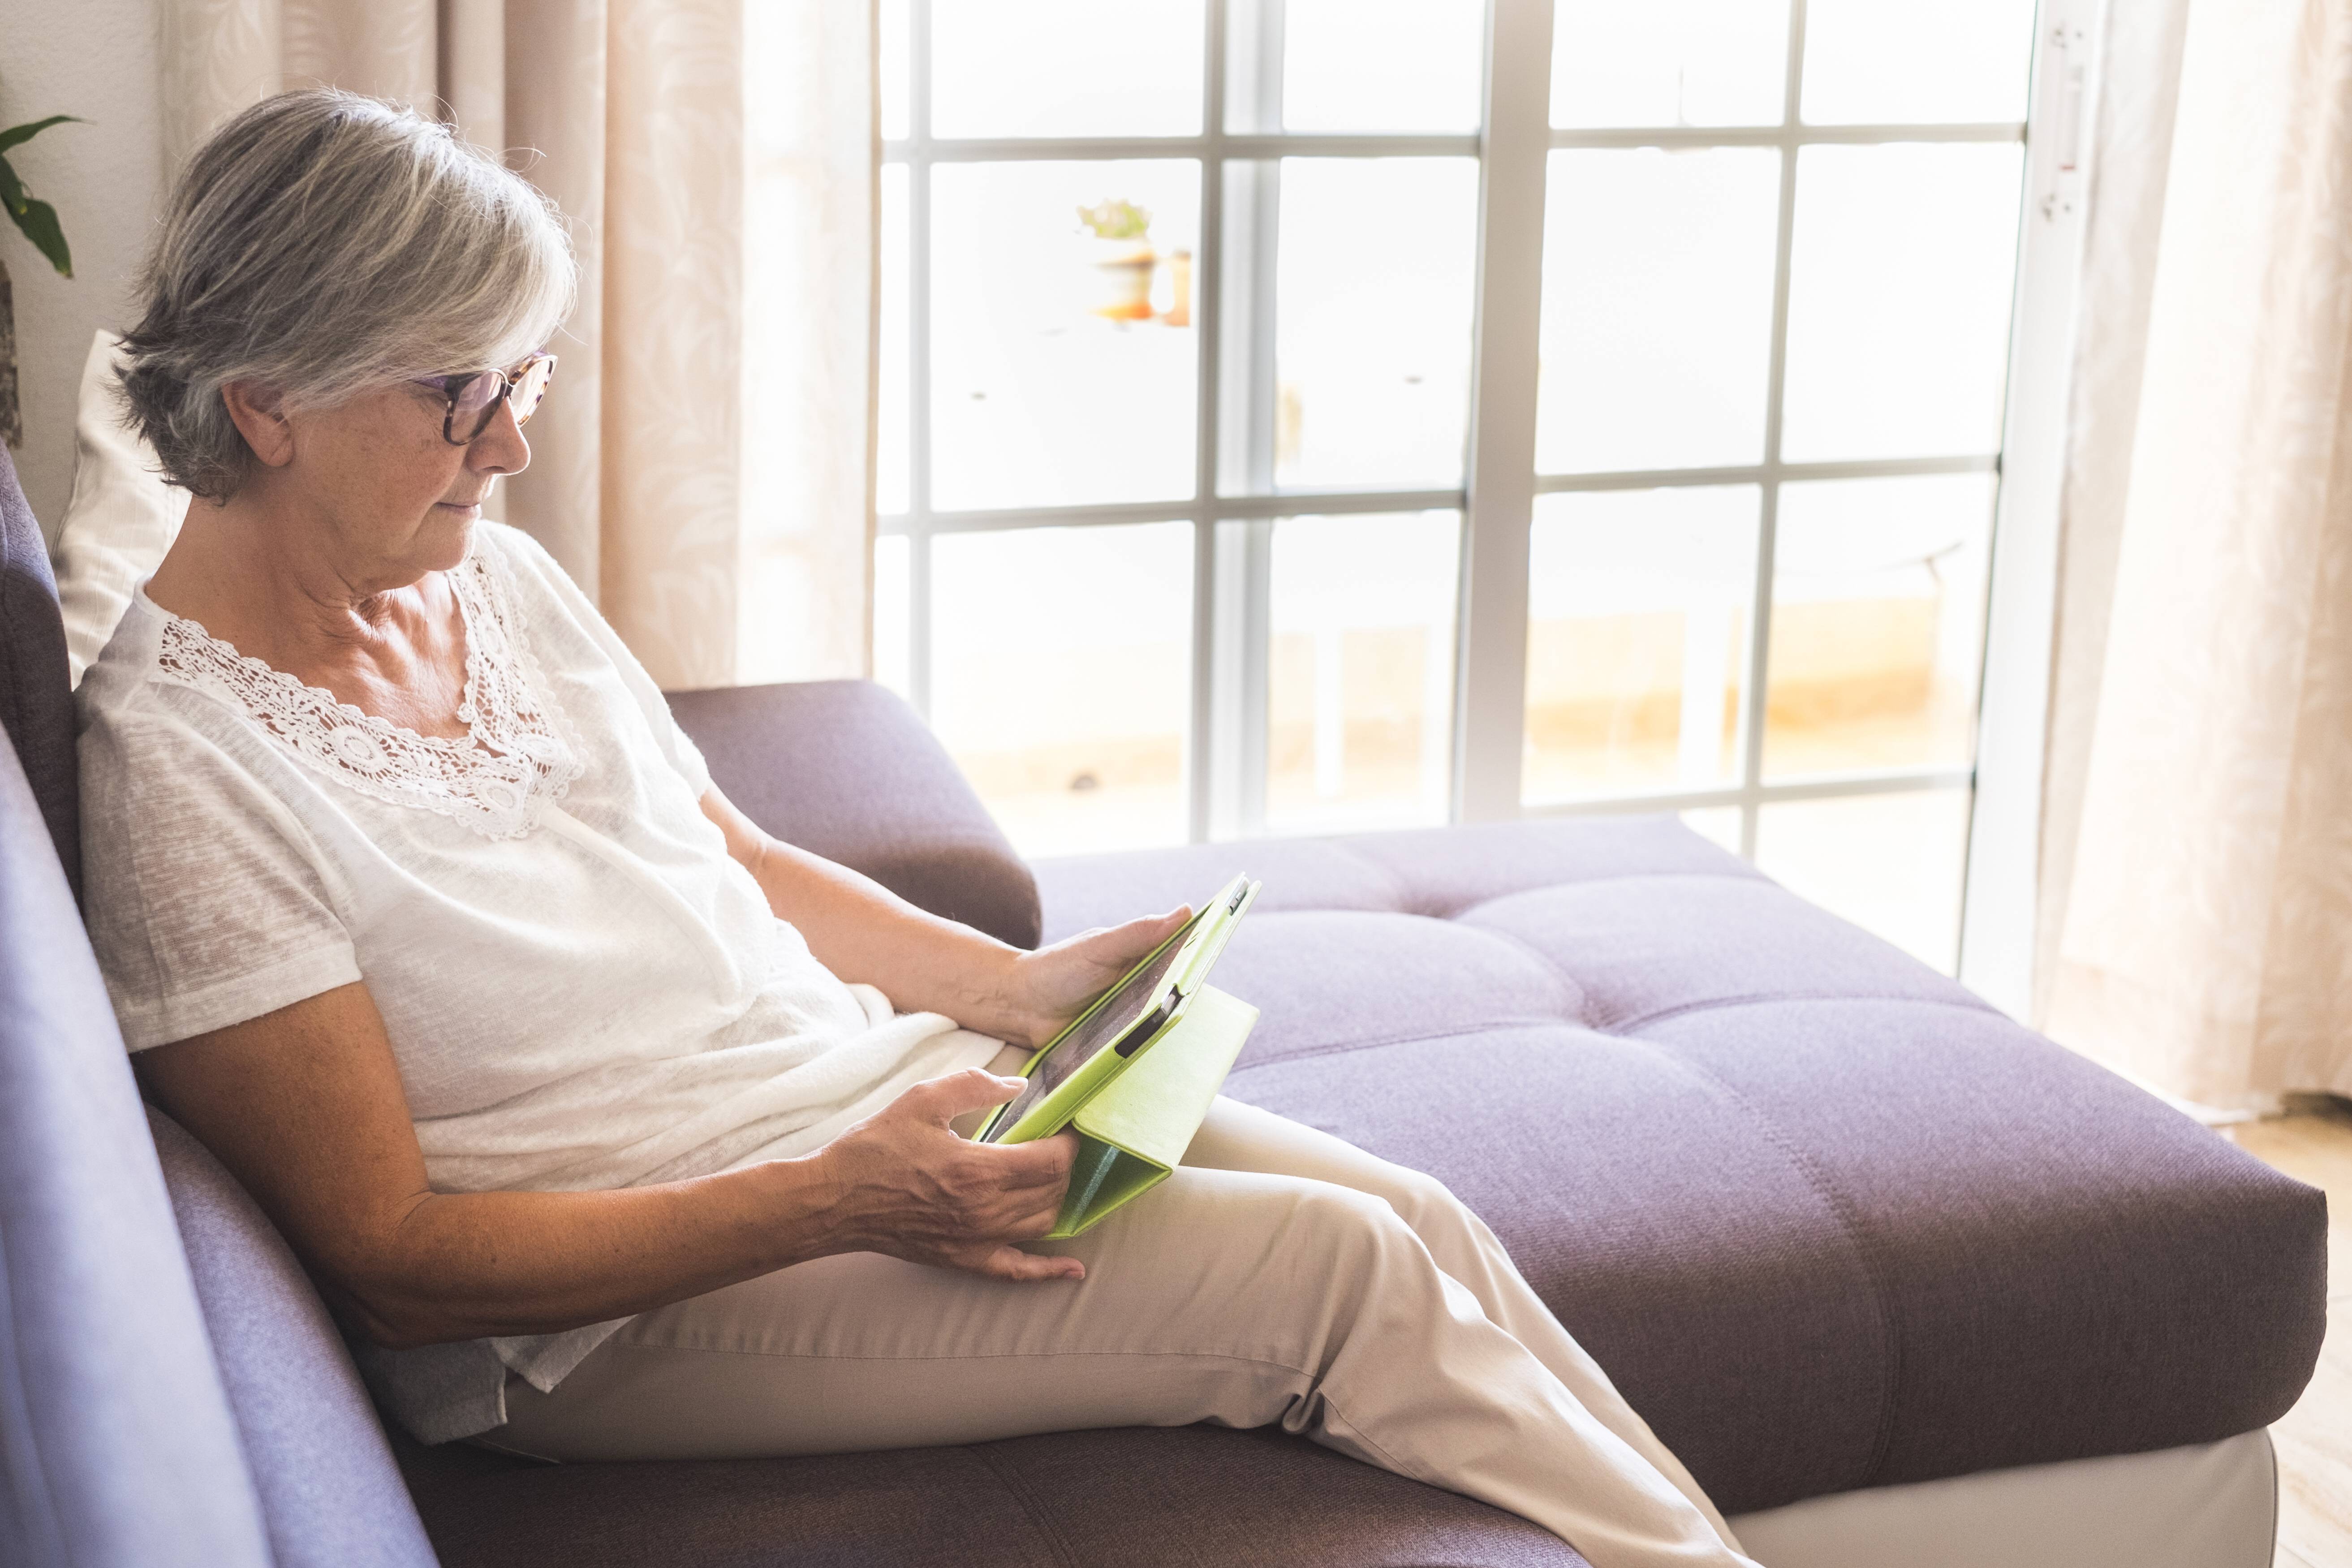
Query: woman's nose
{"points": [[500, 448]]}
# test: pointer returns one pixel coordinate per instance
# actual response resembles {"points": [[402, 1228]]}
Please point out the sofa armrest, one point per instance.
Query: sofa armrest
{"points": [[845, 769]]}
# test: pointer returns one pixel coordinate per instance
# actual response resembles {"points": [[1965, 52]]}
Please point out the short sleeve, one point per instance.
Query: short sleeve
{"points": [[204, 907], [681, 752]]}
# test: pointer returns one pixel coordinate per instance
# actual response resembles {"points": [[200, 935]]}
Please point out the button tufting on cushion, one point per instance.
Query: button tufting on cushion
{"points": [[1641, 947], [1829, 1220], [1446, 870], [1657, 1218], [1345, 980]]}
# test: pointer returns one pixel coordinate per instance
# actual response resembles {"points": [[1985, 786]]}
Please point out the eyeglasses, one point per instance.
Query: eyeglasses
{"points": [[474, 397]]}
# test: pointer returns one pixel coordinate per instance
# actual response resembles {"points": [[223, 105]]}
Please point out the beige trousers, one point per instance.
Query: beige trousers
{"points": [[1281, 1275]]}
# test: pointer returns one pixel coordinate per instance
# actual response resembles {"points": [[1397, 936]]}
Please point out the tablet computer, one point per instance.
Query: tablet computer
{"points": [[1093, 1047]]}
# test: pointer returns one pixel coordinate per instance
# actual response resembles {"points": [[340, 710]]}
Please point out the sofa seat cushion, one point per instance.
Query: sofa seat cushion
{"points": [[1827, 1219], [1145, 1499]]}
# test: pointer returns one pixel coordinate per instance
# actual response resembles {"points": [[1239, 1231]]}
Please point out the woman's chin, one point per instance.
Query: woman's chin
{"points": [[449, 531]]}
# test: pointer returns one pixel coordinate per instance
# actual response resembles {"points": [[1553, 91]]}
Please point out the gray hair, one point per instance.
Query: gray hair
{"points": [[322, 243]]}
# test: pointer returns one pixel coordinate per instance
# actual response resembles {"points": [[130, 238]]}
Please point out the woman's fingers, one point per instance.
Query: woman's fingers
{"points": [[942, 1100], [1036, 1178], [1012, 1263], [1118, 946], [1123, 944], [1054, 983], [932, 1197], [1043, 1162]]}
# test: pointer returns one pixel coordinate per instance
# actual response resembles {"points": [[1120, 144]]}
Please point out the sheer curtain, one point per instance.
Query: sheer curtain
{"points": [[2198, 873], [704, 466]]}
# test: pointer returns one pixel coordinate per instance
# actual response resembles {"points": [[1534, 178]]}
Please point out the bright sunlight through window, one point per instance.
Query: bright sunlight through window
{"points": [[1182, 329]]}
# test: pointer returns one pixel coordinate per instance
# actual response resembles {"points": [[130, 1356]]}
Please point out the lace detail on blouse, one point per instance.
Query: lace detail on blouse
{"points": [[519, 754]]}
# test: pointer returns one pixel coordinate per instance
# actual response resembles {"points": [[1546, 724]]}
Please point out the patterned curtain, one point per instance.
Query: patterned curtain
{"points": [[704, 464], [2198, 865]]}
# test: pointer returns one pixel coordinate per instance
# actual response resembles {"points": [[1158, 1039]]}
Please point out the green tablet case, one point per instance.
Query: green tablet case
{"points": [[1136, 1130]]}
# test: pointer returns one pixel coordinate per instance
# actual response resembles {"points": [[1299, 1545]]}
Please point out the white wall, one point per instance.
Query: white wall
{"points": [[96, 59]]}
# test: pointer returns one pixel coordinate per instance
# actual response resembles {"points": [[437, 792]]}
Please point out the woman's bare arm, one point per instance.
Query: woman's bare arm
{"points": [[305, 1108], [862, 930]]}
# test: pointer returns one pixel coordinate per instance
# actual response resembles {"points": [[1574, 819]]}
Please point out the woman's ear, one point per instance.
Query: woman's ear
{"points": [[260, 414]]}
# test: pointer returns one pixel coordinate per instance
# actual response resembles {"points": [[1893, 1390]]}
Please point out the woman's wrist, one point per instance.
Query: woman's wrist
{"points": [[994, 992], [806, 1209]]}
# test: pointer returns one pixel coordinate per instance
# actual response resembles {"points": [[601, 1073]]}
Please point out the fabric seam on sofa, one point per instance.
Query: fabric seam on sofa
{"points": [[1605, 879], [1019, 1491], [1410, 1038], [1385, 873], [1625, 1026], [17, 1391], [1408, 905], [1570, 983], [1832, 1196], [1607, 876], [1849, 1221]]}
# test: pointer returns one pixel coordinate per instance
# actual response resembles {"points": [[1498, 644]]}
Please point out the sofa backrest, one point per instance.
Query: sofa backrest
{"points": [[330, 1493], [171, 1388], [847, 770], [35, 699], [117, 1445]]}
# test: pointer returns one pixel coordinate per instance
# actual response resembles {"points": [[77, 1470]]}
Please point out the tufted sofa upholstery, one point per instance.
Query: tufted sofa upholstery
{"points": [[1829, 1221]]}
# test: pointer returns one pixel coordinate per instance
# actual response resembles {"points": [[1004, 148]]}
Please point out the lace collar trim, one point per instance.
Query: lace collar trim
{"points": [[519, 755]]}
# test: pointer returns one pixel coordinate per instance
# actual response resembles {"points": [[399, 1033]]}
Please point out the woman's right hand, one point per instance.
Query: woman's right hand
{"points": [[909, 1187]]}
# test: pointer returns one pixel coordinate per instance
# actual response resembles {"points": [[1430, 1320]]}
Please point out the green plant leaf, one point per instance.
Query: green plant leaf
{"points": [[39, 222], [17, 134], [36, 219], [1113, 218]]}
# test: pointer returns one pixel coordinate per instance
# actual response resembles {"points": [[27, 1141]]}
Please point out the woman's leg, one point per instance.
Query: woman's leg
{"points": [[1238, 1137], [1228, 1296]]}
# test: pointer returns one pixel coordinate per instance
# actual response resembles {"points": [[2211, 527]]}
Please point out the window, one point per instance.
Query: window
{"points": [[1305, 416]]}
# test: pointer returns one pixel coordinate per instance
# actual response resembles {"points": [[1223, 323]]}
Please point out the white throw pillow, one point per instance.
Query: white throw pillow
{"points": [[122, 517]]}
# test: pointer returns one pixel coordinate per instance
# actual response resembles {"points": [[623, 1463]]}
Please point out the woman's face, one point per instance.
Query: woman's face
{"points": [[393, 500]]}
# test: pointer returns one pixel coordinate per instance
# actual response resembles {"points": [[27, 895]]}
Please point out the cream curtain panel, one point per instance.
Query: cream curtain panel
{"points": [[2197, 872], [704, 464]]}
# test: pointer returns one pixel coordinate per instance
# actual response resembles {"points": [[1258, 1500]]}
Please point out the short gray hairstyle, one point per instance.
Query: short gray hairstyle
{"points": [[322, 243]]}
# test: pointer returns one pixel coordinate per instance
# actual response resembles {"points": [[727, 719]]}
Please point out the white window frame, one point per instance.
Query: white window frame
{"points": [[1999, 916], [1225, 748]]}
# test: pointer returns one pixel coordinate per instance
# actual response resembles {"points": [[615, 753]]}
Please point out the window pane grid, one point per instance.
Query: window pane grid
{"points": [[1833, 787], [923, 523], [1254, 145], [1227, 603], [1791, 135], [1785, 135], [1220, 508]]}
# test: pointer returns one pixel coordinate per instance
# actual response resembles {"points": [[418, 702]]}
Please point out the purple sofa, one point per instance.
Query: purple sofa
{"points": [[1829, 1220]]}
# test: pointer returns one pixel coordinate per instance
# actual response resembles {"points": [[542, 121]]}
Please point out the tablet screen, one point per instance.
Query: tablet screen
{"points": [[1102, 1027]]}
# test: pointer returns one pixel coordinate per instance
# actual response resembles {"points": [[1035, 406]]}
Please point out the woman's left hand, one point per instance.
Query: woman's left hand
{"points": [[1045, 989], [925, 962]]}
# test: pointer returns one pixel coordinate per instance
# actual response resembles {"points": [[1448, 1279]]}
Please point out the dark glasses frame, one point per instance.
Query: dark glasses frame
{"points": [[525, 386]]}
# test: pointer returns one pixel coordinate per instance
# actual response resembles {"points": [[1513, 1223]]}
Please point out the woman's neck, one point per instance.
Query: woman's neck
{"points": [[251, 570], [382, 634]]}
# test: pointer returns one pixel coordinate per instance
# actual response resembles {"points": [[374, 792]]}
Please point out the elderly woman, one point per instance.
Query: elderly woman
{"points": [[613, 1127]]}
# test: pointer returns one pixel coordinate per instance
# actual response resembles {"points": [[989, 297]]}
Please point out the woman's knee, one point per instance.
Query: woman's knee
{"points": [[1273, 1227], [1427, 1205], [1265, 1246], [1357, 1235]]}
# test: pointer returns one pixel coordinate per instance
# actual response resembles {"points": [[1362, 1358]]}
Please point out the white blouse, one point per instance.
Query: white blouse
{"points": [[582, 988]]}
